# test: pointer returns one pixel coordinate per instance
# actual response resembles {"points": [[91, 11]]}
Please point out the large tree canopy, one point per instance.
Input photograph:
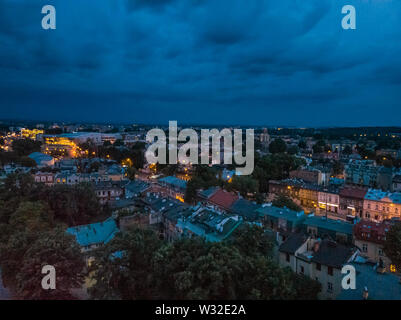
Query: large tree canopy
{"points": [[137, 265]]}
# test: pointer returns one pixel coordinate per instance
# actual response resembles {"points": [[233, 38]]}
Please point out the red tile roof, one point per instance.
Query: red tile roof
{"points": [[372, 231], [353, 192], [223, 199]]}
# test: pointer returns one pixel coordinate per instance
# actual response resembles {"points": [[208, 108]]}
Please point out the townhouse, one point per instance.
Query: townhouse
{"points": [[212, 225], [94, 235], [328, 201], [380, 205], [320, 260], [352, 201], [44, 177], [282, 220], [304, 194], [369, 237], [321, 227]]}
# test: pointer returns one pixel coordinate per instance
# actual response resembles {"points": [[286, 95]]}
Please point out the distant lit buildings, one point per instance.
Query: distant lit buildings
{"points": [[31, 134], [68, 144], [380, 205]]}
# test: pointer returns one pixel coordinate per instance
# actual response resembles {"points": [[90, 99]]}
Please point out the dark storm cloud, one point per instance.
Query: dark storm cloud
{"points": [[260, 61]]}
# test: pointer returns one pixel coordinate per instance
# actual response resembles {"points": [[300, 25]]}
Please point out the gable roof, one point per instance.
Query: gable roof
{"points": [[380, 286], [208, 192], [333, 254], [293, 243], [174, 181], [329, 224], [223, 198], [283, 213], [38, 157], [246, 209], [95, 233], [353, 192], [137, 186]]}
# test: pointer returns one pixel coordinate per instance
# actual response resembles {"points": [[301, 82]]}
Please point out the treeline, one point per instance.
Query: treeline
{"points": [[21, 148], [33, 221], [137, 265], [70, 205]]}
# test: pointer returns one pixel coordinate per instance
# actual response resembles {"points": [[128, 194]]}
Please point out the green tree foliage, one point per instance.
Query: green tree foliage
{"points": [[127, 275], [302, 144], [72, 205], [31, 217], [203, 178], [347, 150], [26, 162], [319, 147], [30, 236], [131, 172], [241, 268], [278, 146], [293, 150], [243, 184], [282, 201], [274, 167], [60, 250], [24, 147], [20, 230], [392, 245], [338, 168], [136, 153]]}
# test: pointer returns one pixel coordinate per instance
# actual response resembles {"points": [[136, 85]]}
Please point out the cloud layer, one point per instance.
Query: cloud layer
{"points": [[262, 62]]}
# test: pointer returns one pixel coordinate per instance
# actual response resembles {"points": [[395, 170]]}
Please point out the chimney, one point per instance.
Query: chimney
{"points": [[365, 293], [316, 246]]}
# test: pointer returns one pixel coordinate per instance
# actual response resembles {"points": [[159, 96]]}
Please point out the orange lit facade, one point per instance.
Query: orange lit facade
{"points": [[60, 146], [30, 134]]}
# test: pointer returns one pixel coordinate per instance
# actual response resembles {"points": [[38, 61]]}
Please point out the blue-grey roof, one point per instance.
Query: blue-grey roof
{"points": [[380, 286], [95, 233], [209, 192], [137, 186], [182, 184], [329, 224], [38, 157], [378, 195], [210, 224], [245, 208], [283, 213]]}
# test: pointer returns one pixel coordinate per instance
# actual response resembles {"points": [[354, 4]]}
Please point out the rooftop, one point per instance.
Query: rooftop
{"points": [[379, 195], [380, 286], [283, 213], [95, 233], [353, 192], [372, 231], [329, 224], [333, 254], [223, 198], [246, 209], [171, 180], [211, 225], [293, 243]]}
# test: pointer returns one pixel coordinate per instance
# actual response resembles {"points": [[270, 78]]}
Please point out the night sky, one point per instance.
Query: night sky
{"points": [[261, 62]]}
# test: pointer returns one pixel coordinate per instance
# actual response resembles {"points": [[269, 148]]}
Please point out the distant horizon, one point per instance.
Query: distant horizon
{"points": [[181, 124]]}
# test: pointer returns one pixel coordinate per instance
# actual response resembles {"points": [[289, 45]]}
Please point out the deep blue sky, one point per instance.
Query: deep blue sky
{"points": [[262, 62]]}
